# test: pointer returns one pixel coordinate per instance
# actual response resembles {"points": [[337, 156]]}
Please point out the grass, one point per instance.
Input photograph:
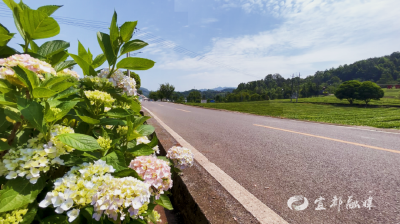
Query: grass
{"points": [[391, 98], [322, 109]]}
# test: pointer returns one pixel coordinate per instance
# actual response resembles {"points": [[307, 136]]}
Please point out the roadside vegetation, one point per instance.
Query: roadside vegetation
{"points": [[380, 117]]}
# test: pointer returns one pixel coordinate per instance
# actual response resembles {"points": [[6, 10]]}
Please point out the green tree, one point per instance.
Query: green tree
{"points": [[386, 78], [255, 97], [369, 91], [194, 96], [166, 90], [153, 95], [348, 90]]}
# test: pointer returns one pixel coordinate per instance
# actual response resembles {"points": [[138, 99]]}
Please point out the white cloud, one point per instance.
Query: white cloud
{"points": [[209, 20], [314, 35]]}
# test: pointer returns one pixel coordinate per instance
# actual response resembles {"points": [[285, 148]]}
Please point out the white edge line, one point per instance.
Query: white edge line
{"points": [[258, 209]]}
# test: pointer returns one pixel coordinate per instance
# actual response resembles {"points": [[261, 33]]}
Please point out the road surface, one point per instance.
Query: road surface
{"points": [[277, 159]]}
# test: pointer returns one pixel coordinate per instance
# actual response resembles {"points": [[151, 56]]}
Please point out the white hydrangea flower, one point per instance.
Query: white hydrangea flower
{"points": [[77, 187], [182, 157], [119, 194], [118, 79], [31, 162]]}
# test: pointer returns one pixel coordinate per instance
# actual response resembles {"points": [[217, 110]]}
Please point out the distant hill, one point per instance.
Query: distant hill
{"points": [[224, 89], [382, 70], [145, 91]]}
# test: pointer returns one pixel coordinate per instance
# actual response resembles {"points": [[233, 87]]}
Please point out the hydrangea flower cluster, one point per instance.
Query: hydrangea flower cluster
{"points": [[155, 172], [105, 143], [145, 140], [13, 217], [30, 162], [97, 82], [122, 130], [181, 156], [98, 98], [5, 71], [77, 187], [25, 61], [68, 72], [118, 79], [118, 195]]}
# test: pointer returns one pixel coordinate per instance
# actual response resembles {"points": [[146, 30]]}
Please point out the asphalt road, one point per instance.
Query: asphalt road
{"points": [[276, 159]]}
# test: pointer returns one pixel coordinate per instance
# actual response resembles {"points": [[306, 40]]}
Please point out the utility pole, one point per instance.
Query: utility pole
{"points": [[127, 71], [291, 92], [298, 88]]}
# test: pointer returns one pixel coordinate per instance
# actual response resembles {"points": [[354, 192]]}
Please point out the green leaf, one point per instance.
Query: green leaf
{"points": [[34, 47], [132, 45], [139, 121], [89, 120], [116, 159], [90, 57], [41, 92], [127, 173], [164, 202], [30, 214], [105, 44], [79, 141], [83, 53], [126, 30], [154, 141], [118, 113], [59, 219], [137, 221], [17, 10], [59, 87], [145, 130], [33, 113], [63, 65], [23, 5], [53, 80], [6, 51], [135, 63], [114, 33], [164, 158], [86, 68], [38, 25], [5, 35], [13, 113], [53, 47], [141, 150], [4, 146], [135, 106], [99, 60], [27, 77], [4, 100], [66, 93], [49, 9], [57, 58], [19, 192], [111, 121]]}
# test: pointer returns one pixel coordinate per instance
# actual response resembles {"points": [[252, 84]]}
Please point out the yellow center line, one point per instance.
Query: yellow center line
{"points": [[183, 110], [331, 139]]}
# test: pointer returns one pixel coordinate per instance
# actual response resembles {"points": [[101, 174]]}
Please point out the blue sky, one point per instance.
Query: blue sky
{"points": [[235, 40]]}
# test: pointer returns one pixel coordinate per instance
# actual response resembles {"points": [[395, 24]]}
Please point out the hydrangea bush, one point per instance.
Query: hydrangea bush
{"points": [[76, 149]]}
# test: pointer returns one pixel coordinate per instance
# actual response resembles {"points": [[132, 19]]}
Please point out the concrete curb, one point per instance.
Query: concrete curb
{"points": [[197, 196]]}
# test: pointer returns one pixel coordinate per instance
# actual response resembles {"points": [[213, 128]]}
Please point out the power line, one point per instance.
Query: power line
{"points": [[150, 38]]}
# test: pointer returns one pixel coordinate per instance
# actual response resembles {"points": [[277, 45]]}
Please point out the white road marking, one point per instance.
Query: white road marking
{"points": [[258, 209]]}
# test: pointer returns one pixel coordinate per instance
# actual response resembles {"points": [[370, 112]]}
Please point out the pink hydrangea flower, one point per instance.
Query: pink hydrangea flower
{"points": [[25, 61], [155, 172]]}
